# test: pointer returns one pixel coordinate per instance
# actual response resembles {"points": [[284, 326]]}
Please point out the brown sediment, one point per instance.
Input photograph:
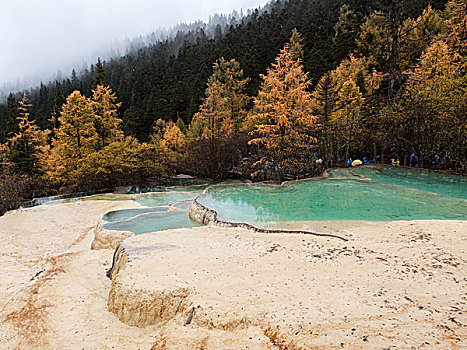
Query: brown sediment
{"points": [[30, 319], [144, 308]]}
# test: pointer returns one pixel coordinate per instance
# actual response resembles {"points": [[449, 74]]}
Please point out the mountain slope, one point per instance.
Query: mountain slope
{"points": [[167, 80]]}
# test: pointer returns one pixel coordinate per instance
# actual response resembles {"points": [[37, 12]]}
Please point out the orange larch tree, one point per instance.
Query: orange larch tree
{"points": [[75, 139], [173, 139], [456, 36], [346, 119], [107, 124], [282, 116], [437, 105]]}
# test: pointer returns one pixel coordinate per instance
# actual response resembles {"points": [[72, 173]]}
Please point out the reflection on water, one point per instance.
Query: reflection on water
{"points": [[429, 181], [153, 221], [167, 197], [119, 215], [365, 193], [165, 209]]}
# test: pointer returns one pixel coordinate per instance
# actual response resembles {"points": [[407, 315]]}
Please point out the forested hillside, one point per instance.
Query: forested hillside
{"points": [[167, 80], [301, 81]]}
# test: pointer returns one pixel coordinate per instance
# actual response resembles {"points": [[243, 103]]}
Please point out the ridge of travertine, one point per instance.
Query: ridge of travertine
{"points": [[209, 217], [107, 239], [376, 290], [393, 285], [141, 307]]}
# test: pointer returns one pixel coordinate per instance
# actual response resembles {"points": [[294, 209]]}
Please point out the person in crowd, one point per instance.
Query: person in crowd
{"points": [[413, 161], [436, 162]]}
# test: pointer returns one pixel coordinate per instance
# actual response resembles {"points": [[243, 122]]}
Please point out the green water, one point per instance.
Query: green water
{"points": [[365, 193], [424, 180], [125, 214], [155, 221], [165, 209], [167, 197]]}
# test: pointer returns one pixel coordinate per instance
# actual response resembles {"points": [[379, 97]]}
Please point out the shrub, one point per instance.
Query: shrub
{"points": [[13, 189]]}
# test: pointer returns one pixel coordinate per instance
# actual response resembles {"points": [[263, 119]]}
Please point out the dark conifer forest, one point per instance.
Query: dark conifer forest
{"points": [[297, 82], [167, 80]]}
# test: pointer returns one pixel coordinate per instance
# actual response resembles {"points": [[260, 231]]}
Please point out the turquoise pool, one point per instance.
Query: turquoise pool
{"points": [[167, 208], [369, 193]]}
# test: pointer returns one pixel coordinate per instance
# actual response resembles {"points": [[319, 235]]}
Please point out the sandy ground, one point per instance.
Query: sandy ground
{"points": [[392, 285]]}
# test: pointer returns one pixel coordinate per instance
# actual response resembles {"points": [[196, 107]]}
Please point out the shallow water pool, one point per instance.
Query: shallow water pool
{"points": [[162, 210], [152, 221], [368, 193]]}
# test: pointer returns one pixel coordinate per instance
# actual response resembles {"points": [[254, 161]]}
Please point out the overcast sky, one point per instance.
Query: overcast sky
{"points": [[39, 37]]}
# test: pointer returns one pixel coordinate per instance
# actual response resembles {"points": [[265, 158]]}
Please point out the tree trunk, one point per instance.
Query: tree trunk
{"points": [[374, 151], [349, 140]]}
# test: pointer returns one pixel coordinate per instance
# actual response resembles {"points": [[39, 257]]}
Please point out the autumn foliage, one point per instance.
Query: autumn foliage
{"points": [[401, 89], [214, 135], [281, 118], [89, 151]]}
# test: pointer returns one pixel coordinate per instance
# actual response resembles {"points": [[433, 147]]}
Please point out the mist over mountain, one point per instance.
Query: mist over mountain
{"points": [[163, 74], [45, 40], [281, 92], [115, 49]]}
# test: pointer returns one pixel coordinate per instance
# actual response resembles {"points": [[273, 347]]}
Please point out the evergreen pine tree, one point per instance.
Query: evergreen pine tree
{"points": [[75, 82], [100, 73], [25, 144], [59, 100], [181, 125], [12, 123]]}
